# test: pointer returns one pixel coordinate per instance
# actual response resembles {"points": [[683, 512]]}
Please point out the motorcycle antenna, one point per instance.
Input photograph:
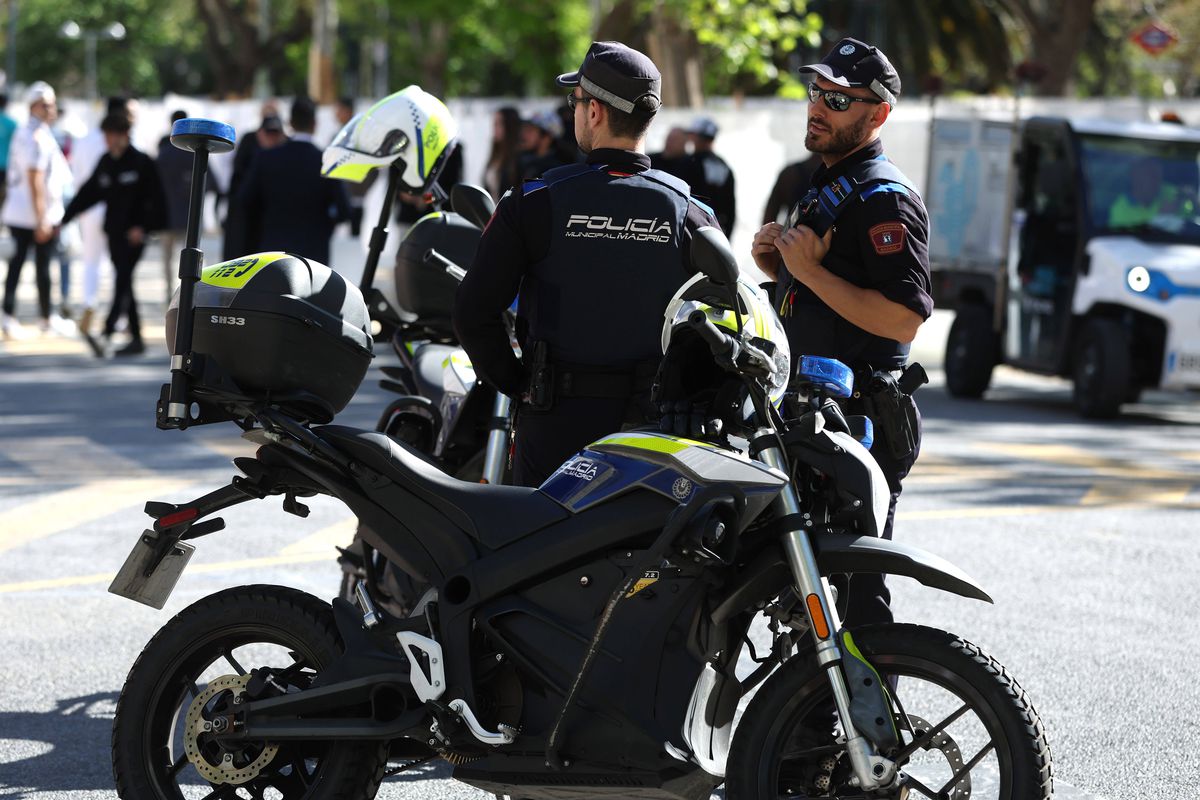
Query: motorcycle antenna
{"points": [[201, 137]]}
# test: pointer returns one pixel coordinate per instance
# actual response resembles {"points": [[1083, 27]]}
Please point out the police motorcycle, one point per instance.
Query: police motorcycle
{"points": [[578, 639], [442, 409]]}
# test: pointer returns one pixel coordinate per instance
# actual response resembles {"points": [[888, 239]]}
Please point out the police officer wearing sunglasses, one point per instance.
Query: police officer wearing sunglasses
{"points": [[596, 251], [852, 269]]}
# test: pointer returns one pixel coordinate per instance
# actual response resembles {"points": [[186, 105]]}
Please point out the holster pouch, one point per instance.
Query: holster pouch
{"points": [[892, 410], [541, 378]]}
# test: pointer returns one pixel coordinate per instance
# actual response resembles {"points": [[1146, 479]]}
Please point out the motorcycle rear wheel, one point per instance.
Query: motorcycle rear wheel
{"points": [[776, 752], [213, 643]]}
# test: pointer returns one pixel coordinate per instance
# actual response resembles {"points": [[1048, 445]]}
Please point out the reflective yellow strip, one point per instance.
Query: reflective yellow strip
{"points": [[658, 444], [234, 274], [356, 173], [435, 137], [725, 319]]}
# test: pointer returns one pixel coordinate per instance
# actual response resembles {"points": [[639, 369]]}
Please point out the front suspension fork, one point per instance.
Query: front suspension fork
{"points": [[872, 770]]}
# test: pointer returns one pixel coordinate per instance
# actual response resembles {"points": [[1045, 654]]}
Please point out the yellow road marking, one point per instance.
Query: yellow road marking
{"points": [[61, 511], [325, 540], [1069, 456], [1105, 494], [223, 566]]}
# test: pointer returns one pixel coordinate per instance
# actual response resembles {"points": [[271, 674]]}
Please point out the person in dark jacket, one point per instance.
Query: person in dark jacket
{"points": [[596, 251], [175, 169], [270, 134], [710, 177], [288, 205], [127, 181]]}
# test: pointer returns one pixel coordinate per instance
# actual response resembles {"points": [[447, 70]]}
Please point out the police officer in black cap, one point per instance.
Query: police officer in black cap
{"points": [[852, 267], [596, 251], [713, 179]]}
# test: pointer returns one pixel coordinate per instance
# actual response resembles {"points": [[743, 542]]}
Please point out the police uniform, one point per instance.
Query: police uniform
{"points": [[880, 242], [711, 178], [596, 251]]}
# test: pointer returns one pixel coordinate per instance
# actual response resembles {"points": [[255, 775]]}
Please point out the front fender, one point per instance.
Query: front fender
{"points": [[769, 574]]}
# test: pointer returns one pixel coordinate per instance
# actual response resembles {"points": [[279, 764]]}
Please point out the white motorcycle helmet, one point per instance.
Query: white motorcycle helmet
{"points": [[410, 126], [758, 319]]}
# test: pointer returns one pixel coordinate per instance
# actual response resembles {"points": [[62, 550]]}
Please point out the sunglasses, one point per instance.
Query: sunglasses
{"points": [[574, 100], [837, 101]]}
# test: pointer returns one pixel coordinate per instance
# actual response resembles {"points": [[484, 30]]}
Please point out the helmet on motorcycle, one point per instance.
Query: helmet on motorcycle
{"points": [[758, 319], [411, 126]]}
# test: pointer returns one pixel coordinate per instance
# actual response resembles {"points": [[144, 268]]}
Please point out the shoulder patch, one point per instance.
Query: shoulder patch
{"points": [[888, 237]]}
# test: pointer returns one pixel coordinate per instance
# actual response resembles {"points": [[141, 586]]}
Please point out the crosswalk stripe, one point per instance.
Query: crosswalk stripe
{"points": [[61, 511], [198, 569]]}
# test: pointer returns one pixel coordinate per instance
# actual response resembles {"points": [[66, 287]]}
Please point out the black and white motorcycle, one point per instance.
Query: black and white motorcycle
{"points": [[578, 639]]}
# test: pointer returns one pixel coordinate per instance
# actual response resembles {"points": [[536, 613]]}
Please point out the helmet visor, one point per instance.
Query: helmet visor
{"points": [[364, 134]]}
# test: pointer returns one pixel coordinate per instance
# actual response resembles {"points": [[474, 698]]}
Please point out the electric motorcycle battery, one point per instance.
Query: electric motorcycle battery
{"points": [[279, 328], [422, 283]]}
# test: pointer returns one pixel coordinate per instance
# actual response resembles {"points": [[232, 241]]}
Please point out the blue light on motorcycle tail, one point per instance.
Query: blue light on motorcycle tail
{"points": [[828, 373], [193, 133]]}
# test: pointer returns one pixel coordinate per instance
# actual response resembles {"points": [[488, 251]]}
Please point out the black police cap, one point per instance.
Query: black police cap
{"points": [[619, 76], [856, 64]]}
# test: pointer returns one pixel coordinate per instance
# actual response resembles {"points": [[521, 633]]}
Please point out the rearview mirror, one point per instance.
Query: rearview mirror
{"points": [[711, 255], [473, 202]]}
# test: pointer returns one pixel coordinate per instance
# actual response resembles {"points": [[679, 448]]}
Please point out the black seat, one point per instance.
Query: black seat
{"points": [[493, 515]]}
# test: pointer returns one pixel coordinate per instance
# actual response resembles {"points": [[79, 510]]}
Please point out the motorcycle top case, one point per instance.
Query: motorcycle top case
{"points": [[422, 286], [280, 328]]}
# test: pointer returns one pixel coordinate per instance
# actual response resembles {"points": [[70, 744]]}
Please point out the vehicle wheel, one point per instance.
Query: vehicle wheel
{"points": [[971, 352], [1103, 369], [938, 680], [195, 666]]}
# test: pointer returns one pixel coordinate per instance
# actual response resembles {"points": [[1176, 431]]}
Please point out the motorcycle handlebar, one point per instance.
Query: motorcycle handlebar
{"points": [[721, 343]]}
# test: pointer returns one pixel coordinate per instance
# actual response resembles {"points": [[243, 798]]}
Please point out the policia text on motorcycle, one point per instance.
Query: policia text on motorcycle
{"points": [[596, 251], [855, 284]]}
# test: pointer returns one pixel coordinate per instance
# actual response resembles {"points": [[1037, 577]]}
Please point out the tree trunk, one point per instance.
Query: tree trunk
{"points": [[1057, 30], [675, 51], [322, 86]]}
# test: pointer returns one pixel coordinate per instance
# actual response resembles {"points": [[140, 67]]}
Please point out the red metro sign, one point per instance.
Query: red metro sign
{"points": [[1153, 38]]}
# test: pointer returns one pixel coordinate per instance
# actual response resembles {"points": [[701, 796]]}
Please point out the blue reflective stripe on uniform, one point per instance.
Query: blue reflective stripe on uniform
{"points": [[879, 188], [703, 207], [532, 186], [558, 175]]}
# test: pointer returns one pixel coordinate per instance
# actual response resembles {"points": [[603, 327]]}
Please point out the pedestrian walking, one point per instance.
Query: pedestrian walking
{"points": [[591, 299], [286, 203], [711, 177], [33, 207], [128, 183]]}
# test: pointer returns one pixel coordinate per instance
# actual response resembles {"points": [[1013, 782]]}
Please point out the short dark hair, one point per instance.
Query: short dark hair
{"points": [[178, 115], [116, 123], [117, 105], [347, 102], [630, 124], [304, 114]]}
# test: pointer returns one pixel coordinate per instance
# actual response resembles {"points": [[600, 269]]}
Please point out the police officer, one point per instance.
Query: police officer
{"points": [[712, 177], [596, 249], [852, 265]]}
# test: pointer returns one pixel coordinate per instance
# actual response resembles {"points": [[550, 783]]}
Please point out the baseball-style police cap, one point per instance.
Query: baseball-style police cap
{"points": [[856, 64], [704, 126], [617, 75]]}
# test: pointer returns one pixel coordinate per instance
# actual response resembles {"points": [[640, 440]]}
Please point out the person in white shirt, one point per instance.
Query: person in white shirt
{"points": [[37, 177]]}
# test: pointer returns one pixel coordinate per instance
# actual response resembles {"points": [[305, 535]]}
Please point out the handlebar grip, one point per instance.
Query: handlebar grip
{"points": [[721, 343], [451, 269]]}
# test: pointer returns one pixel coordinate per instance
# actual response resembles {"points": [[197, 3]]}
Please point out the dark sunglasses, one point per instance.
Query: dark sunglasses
{"points": [[837, 101], [574, 100]]}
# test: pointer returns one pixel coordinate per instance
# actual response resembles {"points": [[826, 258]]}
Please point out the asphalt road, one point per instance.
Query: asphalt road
{"points": [[1081, 532]]}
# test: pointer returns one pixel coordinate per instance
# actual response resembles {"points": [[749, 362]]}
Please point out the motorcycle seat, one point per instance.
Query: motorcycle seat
{"points": [[494, 516], [428, 369]]}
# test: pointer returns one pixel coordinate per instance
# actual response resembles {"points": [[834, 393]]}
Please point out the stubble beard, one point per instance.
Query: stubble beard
{"points": [[838, 142]]}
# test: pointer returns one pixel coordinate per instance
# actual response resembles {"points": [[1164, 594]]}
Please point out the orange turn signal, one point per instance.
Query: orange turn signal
{"points": [[816, 615]]}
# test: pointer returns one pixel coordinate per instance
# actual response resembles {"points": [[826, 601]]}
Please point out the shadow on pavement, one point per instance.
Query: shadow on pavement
{"points": [[68, 748]]}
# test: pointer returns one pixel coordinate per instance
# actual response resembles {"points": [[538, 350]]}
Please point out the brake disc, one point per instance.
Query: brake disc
{"points": [[949, 748], [197, 725]]}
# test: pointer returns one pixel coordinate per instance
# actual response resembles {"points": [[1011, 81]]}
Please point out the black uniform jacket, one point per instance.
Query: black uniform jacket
{"points": [[517, 239], [881, 243], [130, 187]]}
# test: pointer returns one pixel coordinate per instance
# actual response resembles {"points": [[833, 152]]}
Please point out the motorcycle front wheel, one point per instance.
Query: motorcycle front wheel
{"points": [[196, 668], [987, 742]]}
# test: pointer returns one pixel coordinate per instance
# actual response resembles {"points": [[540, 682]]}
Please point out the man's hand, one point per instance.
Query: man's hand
{"points": [[136, 235], [802, 251], [766, 255]]}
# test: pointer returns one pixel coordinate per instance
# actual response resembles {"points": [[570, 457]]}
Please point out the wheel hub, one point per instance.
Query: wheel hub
{"points": [[232, 766]]}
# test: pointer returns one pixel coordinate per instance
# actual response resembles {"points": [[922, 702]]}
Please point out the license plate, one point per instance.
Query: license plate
{"points": [[153, 589]]}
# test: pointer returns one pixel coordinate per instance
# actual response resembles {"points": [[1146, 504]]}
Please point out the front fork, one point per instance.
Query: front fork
{"points": [[872, 770]]}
